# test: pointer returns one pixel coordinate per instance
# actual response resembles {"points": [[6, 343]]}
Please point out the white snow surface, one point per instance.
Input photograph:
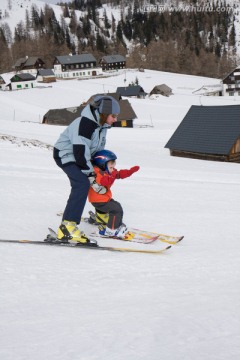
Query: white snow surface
{"points": [[78, 304]]}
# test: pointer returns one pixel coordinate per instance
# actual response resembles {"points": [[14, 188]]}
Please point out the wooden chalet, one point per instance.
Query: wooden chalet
{"points": [[76, 66], [112, 62], [45, 76], [209, 133], [131, 91], [22, 81], [231, 83], [62, 116], [67, 115], [162, 89], [29, 64]]}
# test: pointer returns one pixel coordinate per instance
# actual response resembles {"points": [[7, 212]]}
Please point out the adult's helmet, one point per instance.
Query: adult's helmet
{"points": [[101, 158]]}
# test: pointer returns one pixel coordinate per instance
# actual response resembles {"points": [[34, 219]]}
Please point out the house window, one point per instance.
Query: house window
{"points": [[231, 93], [87, 65]]}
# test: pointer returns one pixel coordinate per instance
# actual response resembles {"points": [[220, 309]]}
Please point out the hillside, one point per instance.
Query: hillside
{"points": [[199, 40]]}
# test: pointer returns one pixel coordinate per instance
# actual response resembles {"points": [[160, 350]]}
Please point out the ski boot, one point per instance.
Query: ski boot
{"points": [[68, 231], [120, 233], [101, 218]]}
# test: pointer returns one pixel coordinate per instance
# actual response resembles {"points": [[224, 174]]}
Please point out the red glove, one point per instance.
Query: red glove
{"points": [[122, 174]]}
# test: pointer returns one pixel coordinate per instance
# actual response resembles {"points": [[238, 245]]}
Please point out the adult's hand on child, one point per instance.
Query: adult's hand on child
{"points": [[96, 187], [122, 174]]}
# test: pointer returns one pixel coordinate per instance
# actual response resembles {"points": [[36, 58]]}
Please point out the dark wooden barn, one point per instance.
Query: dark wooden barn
{"points": [[131, 91], [208, 132], [66, 115]]}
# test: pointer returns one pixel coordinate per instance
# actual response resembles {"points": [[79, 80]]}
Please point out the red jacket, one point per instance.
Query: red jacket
{"points": [[105, 179]]}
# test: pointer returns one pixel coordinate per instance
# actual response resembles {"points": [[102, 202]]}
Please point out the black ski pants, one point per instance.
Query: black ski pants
{"points": [[115, 211]]}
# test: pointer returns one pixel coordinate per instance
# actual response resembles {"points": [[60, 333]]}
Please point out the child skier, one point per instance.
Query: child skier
{"points": [[107, 209]]}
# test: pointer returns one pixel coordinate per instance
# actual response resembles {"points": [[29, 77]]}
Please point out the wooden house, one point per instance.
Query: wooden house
{"points": [[29, 65], [67, 115], [112, 62], [131, 91], [231, 83], [62, 116], [76, 66], [209, 133], [45, 76], [162, 89], [22, 81]]}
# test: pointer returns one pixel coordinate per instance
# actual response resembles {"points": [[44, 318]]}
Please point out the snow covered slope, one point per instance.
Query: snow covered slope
{"points": [[72, 304]]}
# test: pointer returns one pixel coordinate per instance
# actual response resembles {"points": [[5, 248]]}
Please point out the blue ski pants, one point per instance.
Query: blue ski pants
{"points": [[79, 191]]}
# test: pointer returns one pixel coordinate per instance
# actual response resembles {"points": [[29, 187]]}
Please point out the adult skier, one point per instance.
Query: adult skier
{"points": [[73, 152]]}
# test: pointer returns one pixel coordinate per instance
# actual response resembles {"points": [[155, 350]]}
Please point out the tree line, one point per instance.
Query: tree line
{"points": [[190, 42]]}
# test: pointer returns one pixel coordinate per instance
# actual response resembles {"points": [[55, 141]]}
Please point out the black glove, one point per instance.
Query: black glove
{"points": [[96, 187]]}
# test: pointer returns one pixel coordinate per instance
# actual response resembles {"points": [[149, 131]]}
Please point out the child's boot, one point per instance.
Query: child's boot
{"points": [[101, 218], [119, 232]]}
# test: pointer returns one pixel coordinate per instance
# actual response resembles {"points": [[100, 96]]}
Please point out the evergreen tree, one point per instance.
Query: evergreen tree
{"points": [[106, 21], [232, 36], [66, 12], [73, 22], [100, 44], [127, 29], [119, 32]]}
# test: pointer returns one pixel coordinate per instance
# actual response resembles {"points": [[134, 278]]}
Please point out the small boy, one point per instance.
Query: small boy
{"points": [[100, 196]]}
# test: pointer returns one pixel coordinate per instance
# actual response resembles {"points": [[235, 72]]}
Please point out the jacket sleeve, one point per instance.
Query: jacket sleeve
{"points": [[82, 142], [107, 179]]}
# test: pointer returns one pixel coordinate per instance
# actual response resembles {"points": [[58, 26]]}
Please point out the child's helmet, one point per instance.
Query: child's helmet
{"points": [[100, 158]]}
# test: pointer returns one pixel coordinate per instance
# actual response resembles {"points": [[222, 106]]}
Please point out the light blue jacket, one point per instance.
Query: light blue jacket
{"points": [[80, 140]]}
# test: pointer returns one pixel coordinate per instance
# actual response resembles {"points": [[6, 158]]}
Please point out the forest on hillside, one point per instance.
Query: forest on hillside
{"points": [[153, 37]]}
